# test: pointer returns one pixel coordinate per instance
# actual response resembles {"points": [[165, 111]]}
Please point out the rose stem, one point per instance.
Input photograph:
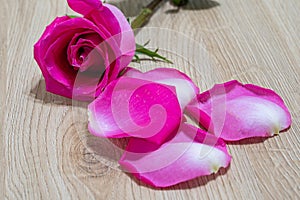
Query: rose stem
{"points": [[145, 14]]}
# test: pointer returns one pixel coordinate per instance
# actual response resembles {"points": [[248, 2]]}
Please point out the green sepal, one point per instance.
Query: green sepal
{"points": [[72, 16], [142, 50]]}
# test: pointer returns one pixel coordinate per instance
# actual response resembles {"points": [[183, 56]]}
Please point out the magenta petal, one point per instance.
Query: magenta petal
{"points": [[137, 108], [235, 111], [121, 32], [185, 88], [49, 52], [84, 7], [190, 154], [127, 39], [121, 39]]}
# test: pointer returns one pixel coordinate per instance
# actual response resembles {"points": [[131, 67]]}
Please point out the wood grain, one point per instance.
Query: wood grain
{"points": [[47, 152], [3, 64]]}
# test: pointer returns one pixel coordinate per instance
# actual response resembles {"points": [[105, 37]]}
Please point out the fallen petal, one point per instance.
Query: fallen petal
{"points": [[190, 154], [131, 107], [234, 111], [185, 88]]}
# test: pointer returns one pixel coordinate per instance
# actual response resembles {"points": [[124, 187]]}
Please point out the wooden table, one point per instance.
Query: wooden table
{"points": [[47, 153]]}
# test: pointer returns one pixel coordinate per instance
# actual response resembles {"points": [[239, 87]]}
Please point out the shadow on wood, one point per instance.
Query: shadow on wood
{"points": [[195, 5], [40, 95], [130, 8], [200, 5], [254, 140], [247, 141]]}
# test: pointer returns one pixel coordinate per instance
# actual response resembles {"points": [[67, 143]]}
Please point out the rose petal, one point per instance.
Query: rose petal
{"points": [[127, 44], [101, 23], [79, 48], [121, 40], [121, 32], [185, 88], [190, 154], [66, 25], [110, 18], [235, 111], [135, 107], [86, 56], [84, 7], [48, 52]]}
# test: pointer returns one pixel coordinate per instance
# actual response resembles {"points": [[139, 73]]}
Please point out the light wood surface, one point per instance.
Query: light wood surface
{"points": [[47, 152]]}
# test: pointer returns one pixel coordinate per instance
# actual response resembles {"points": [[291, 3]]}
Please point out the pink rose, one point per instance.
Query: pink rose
{"points": [[80, 56]]}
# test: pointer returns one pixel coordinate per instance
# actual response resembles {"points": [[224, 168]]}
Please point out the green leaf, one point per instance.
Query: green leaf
{"points": [[72, 16], [179, 2], [142, 50]]}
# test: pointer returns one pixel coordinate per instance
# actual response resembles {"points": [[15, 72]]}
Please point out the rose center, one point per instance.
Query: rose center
{"points": [[82, 56]]}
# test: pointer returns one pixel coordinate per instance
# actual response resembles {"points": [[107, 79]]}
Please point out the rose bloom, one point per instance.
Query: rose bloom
{"points": [[80, 56]]}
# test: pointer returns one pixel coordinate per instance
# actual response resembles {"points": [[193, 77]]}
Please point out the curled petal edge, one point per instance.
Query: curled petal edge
{"points": [[234, 111], [190, 154]]}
